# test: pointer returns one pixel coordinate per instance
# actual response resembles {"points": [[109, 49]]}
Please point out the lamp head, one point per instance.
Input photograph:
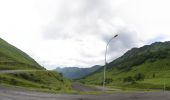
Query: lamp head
{"points": [[116, 35]]}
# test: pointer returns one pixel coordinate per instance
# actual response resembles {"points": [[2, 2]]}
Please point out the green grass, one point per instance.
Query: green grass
{"points": [[39, 80], [15, 53], [13, 58], [156, 73]]}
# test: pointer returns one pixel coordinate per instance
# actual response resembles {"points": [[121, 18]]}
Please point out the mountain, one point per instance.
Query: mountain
{"points": [[77, 73], [13, 58], [144, 67], [26, 72]]}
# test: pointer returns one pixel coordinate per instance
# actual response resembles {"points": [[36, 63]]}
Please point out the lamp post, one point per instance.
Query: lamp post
{"points": [[104, 78], [164, 89]]}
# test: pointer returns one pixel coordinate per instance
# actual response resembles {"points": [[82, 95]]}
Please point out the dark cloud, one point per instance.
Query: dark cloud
{"points": [[77, 17]]}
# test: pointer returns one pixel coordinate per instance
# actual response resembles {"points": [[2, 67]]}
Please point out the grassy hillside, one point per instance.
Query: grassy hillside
{"points": [[75, 72], [145, 67], [13, 58], [38, 78]]}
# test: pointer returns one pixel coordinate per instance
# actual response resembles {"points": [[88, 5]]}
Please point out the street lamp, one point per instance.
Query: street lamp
{"points": [[104, 78], [164, 82]]}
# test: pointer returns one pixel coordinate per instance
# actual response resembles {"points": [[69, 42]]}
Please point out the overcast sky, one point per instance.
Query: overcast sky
{"points": [[58, 33]]}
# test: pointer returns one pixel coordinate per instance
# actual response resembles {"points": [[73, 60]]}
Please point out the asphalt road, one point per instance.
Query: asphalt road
{"points": [[84, 88], [20, 94], [17, 71]]}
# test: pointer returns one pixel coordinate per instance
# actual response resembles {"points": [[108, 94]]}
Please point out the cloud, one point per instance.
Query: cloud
{"points": [[87, 25], [127, 39], [78, 17], [75, 32]]}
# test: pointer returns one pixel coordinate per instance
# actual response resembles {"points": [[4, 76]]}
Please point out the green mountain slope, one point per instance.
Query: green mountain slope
{"points": [[75, 72], [13, 58], [33, 75], [145, 67]]}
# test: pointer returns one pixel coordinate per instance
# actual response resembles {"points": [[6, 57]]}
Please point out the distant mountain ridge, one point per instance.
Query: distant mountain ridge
{"points": [[140, 55], [75, 72]]}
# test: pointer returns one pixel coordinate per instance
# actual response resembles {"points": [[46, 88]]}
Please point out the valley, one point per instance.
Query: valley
{"points": [[141, 73]]}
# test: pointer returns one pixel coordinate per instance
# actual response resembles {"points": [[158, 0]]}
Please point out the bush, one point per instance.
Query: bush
{"points": [[109, 80], [61, 74], [24, 76], [129, 79], [139, 77], [154, 75], [13, 81], [136, 77]]}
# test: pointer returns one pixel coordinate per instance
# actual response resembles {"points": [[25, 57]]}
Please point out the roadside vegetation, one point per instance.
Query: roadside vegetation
{"points": [[38, 80]]}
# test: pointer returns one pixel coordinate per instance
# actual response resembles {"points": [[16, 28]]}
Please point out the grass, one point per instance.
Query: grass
{"points": [[43, 80], [12, 54], [155, 74], [11, 58]]}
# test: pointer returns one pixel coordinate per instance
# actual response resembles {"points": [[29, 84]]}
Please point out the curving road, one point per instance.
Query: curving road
{"points": [[17, 71], [19, 94], [7, 93]]}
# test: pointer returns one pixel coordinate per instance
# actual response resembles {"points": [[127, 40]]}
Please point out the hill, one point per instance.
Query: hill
{"points": [[13, 58], [75, 72], [33, 76], [145, 67]]}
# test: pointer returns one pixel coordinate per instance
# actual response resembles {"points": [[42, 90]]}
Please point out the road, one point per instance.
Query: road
{"points": [[7, 93], [84, 88], [20, 94], [17, 71]]}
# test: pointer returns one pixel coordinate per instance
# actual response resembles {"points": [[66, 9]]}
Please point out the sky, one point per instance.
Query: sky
{"points": [[67, 33]]}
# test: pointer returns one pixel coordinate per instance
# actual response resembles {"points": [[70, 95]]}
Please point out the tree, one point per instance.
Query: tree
{"points": [[109, 80], [61, 74], [13, 81], [154, 75], [129, 79], [139, 77]]}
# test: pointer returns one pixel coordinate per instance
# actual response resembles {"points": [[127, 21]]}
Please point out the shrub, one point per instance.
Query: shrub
{"points": [[109, 80], [128, 79], [154, 75], [13, 81], [24, 75], [61, 74], [139, 77]]}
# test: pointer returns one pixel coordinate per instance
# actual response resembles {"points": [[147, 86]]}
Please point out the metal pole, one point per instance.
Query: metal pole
{"points": [[164, 81], [104, 77], [164, 87]]}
